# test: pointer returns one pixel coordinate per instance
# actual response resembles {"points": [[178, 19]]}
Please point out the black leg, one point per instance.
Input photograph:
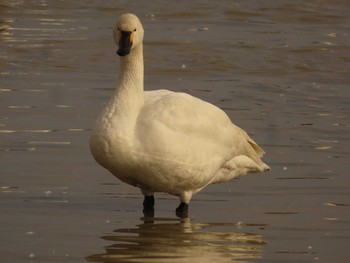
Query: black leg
{"points": [[148, 206], [148, 215], [182, 210], [148, 202]]}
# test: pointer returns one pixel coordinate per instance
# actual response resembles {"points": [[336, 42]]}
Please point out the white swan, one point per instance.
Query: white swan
{"points": [[163, 141]]}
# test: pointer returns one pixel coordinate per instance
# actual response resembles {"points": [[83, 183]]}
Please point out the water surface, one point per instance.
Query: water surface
{"points": [[280, 69]]}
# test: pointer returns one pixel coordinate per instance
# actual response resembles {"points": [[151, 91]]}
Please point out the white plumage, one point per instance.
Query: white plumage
{"points": [[163, 141]]}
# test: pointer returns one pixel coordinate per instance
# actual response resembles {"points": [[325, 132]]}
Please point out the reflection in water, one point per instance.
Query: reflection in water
{"points": [[179, 240]]}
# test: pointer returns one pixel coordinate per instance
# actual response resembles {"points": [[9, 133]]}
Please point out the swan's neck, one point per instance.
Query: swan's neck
{"points": [[127, 99], [130, 81]]}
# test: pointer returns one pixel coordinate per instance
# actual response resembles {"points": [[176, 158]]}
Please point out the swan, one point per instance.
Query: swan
{"points": [[164, 141]]}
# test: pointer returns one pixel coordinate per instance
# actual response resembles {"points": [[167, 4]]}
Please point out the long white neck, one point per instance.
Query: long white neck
{"points": [[124, 106], [131, 74]]}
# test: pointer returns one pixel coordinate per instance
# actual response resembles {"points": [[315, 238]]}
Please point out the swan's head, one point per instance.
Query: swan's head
{"points": [[128, 33]]}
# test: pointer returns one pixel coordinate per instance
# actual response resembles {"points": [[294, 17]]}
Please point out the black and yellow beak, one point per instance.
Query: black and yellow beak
{"points": [[125, 43]]}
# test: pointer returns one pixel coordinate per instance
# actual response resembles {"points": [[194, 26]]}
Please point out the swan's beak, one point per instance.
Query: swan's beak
{"points": [[125, 43]]}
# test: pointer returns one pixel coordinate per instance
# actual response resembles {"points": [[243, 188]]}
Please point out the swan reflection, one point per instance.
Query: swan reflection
{"points": [[180, 240]]}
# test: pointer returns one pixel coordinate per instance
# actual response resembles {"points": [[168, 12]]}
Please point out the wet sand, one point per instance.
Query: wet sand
{"points": [[279, 69]]}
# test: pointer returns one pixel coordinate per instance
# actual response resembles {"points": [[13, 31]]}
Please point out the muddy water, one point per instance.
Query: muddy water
{"points": [[280, 69]]}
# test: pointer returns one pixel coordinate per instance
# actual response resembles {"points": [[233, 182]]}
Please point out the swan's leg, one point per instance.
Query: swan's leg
{"points": [[148, 206], [148, 202], [182, 209]]}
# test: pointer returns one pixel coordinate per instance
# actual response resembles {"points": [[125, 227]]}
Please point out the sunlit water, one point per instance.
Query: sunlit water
{"points": [[280, 69]]}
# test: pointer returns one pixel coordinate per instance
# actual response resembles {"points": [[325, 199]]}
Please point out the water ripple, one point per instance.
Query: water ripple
{"points": [[174, 240]]}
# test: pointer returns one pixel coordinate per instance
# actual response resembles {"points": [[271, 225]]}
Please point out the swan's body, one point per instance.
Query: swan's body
{"points": [[163, 141]]}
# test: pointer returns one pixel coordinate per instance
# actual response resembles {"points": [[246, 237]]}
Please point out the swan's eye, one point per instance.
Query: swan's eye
{"points": [[118, 29], [135, 30]]}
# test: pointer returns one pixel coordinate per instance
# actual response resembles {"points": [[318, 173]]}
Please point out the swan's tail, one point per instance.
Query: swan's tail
{"points": [[255, 153], [238, 166]]}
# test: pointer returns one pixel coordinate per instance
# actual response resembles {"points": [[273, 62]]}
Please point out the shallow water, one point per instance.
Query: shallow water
{"points": [[280, 69]]}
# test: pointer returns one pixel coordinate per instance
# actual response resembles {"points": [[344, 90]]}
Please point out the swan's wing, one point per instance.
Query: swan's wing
{"points": [[181, 121], [185, 115]]}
